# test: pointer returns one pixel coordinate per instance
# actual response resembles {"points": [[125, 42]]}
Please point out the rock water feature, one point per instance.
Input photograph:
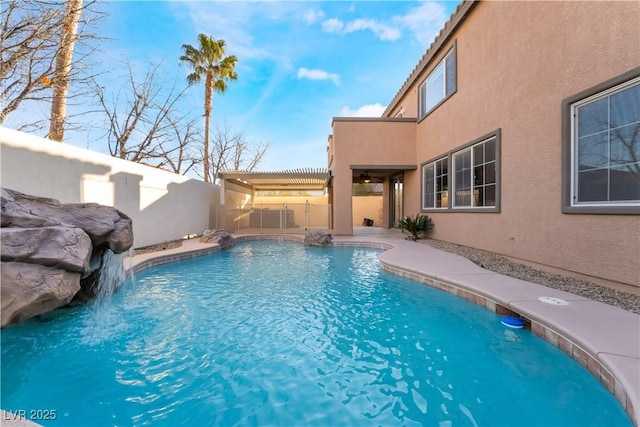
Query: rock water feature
{"points": [[55, 253], [218, 237], [112, 275], [318, 238]]}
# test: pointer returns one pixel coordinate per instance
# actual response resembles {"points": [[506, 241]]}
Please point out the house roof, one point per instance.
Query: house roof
{"points": [[295, 179], [449, 28]]}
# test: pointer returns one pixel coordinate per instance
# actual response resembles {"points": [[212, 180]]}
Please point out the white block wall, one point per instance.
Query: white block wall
{"points": [[163, 206]]}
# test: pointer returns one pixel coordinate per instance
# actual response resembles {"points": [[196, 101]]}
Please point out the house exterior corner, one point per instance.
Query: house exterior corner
{"points": [[527, 135]]}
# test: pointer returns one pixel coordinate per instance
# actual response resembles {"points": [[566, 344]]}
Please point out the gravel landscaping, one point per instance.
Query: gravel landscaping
{"points": [[502, 265]]}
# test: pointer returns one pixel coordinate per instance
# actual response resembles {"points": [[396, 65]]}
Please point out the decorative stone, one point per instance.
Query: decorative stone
{"points": [[318, 238], [106, 278], [220, 237], [103, 224], [50, 251], [60, 247], [29, 290]]}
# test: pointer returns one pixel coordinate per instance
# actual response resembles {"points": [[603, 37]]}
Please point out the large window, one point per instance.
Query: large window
{"points": [[439, 85], [435, 185], [474, 175], [606, 147], [466, 178], [601, 148]]}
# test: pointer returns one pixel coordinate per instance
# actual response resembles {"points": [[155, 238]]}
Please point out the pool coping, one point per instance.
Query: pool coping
{"points": [[582, 329]]}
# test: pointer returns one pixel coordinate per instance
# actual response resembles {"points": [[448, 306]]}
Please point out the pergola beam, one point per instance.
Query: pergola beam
{"points": [[297, 179]]}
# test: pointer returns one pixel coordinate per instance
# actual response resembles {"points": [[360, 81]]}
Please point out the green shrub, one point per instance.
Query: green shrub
{"points": [[416, 226]]}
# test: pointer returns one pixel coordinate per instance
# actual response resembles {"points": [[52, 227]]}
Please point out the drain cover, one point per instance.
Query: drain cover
{"points": [[553, 301]]}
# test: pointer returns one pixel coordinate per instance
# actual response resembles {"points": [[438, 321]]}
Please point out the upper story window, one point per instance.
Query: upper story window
{"points": [[606, 147], [440, 84]]}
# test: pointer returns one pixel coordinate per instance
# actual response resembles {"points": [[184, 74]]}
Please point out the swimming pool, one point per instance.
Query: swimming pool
{"points": [[275, 333]]}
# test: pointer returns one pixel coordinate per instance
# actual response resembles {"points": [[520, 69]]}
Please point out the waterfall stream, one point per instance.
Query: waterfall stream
{"points": [[112, 276]]}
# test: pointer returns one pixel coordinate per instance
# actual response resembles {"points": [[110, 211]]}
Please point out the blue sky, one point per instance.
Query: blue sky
{"points": [[300, 63]]}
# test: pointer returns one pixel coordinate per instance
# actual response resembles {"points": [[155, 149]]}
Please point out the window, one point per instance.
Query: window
{"points": [[435, 184], [474, 175], [439, 85], [601, 148], [465, 179], [605, 148]]}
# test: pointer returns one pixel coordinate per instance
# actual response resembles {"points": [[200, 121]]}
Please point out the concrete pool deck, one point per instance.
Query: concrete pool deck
{"points": [[602, 338]]}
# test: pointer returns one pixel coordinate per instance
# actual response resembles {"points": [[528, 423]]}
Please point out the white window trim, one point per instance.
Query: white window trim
{"points": [[574, 155]]}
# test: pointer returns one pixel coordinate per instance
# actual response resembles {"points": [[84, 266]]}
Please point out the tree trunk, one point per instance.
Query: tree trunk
{"points": [[208, 99], [63, 69]]}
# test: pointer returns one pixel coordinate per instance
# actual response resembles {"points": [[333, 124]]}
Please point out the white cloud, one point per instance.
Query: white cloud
{"points": [[369, 110], [382, 31], [311, 16], [424, 21], [333, 25], [230, 26], [305, 73], [233, 22]]}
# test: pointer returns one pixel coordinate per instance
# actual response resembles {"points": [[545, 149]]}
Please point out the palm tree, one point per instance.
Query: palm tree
{"points": [[209, 61]]}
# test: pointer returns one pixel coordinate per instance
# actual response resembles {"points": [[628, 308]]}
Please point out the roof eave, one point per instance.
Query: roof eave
{"points": [[443, 36]]}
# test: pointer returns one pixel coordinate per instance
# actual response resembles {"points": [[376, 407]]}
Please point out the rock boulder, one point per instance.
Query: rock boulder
{"points": [[50, 251], [103, 224], [318, 238], [220, 237], [29, 289], [60, 247]]}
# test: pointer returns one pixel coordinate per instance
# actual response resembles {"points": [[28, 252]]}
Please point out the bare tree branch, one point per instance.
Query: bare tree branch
{"points": [[30, 40], [143, 123], [232, 151]]}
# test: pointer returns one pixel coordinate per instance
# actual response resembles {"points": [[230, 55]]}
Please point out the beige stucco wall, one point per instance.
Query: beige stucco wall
{"points": [[516, 62], [365, 142], [409, 104], [368, 207], [163, 205]]}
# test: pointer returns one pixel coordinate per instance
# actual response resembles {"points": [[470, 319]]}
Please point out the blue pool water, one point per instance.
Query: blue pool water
{"points": [[273, 333]]}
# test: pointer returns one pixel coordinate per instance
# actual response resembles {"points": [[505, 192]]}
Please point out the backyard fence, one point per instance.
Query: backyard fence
{"points": [[277, 218]]}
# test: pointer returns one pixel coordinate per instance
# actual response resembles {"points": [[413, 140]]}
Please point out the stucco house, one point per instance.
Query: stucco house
{"points": [[518, 132]]}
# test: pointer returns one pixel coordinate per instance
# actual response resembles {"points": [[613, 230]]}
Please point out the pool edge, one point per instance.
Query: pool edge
{"points": [[605, 367]]}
